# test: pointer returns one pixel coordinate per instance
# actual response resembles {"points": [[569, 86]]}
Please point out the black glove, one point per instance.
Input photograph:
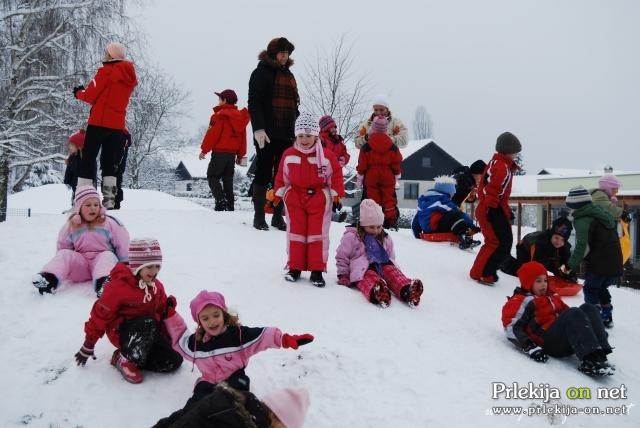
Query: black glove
{"points": [[472, 230], [76, 89], [537, 354], [84, 353], [625, 216], [569, 276]]}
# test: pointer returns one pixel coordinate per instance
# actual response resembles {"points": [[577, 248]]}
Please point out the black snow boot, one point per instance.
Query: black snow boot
{"points": [[100, 283], [317, 279], [277, 220], [259, 199], [292, 276], [45, 282], [596, 364]]}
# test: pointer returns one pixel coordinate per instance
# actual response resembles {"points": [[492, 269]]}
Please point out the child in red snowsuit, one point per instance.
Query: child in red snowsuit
{"points": [[379, 163], [310, 183], [493, 212], [333, 141]]}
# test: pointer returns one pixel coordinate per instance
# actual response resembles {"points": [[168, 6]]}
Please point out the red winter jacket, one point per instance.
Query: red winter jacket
{"points": [[122, 299], [495, 185], [379, 153], [525, 317], [108, 93], [227, 131], [335, 143]]}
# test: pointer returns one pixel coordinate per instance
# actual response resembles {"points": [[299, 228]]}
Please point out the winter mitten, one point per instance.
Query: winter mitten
{"points": [[294, 340], [537, 354], [625, 216], [343, 280], [76, 89], [359, 181], [261, 138], [337, 205], [170, 308], [84, 353]]}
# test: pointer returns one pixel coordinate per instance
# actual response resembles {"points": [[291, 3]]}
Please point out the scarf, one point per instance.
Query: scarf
{"points": [[320, 166], [285, 99], [376, 253], [144, 286]]}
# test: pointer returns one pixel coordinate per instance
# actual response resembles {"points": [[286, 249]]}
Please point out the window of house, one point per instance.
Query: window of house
{"points": [[411, 190], [426, 162], [189, 187]]}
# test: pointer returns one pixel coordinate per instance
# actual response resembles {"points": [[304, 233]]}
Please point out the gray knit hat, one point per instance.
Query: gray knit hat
{"points": [[578, 197], [508, 144]]}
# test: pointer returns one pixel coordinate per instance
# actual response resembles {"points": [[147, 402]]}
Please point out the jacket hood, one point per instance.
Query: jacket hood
{"points": [[238, 119], [267, 60], [121, 272], [123, 71], [598, 213], [508, 160], [380, 142]]}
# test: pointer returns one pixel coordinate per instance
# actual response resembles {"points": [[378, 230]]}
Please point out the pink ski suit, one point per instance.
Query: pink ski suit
{"points": [[85, 253]]}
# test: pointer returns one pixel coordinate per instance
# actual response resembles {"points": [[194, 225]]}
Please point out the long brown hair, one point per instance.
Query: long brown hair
{"points": [[230, 320], [380, 236]]}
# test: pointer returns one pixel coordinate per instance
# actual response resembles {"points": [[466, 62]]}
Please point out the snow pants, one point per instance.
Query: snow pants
{"points": [[453, 222], [77, 267], [576, 331], [110, 143], [380, 185], [393, 277], [221, 167], [268, 160], [143, 343], [309, 213], [498, 239], [596, 288]]}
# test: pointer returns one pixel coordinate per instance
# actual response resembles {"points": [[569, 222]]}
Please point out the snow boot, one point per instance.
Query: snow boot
{"points": [[411, 293], [292, 276], [220, 205], [84, 182], [380, 294], [109, 191], [606, 313], [100, 283], [317, 279], [596, 364], [259, 199], [277, 220], [45, 282], [129, 371], [467, 242]]}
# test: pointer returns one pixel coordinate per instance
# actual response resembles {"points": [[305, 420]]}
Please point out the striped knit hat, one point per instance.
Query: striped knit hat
{"points": [[326, 123], [144, 252], [307, 124], [578, 197], [82, 194], [379, 125]]}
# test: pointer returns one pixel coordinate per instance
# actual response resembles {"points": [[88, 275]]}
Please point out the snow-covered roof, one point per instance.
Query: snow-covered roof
{"points": [[576, 173], [189, 157]]}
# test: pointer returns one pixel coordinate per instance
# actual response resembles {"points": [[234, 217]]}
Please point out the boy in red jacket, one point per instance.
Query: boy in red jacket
{"points": [[539, 323], [130, 311], [493, 212], [226, 139]]}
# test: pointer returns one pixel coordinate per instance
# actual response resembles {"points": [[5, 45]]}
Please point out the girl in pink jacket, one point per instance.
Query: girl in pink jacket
{"points": [[365, 259], [221, 347], [89, 245]]}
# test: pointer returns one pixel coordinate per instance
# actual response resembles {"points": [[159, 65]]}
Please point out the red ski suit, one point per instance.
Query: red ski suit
{"points": [[308, 200], [379, 162]]}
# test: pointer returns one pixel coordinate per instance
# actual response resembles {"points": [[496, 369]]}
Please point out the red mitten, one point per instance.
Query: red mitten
{"points": [[170, 308], [343, 280], [276, 200], [294, 340]]}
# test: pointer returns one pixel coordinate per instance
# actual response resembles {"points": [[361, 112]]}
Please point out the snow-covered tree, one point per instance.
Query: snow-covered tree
{"points": [[46, 48], [422, 124]]}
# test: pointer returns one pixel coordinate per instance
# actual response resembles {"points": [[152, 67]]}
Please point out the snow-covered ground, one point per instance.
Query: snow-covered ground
{"points": [[368, 367]]}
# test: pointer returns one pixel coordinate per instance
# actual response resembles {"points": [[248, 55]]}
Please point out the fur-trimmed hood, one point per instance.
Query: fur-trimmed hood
{"points": [[264, 57]]}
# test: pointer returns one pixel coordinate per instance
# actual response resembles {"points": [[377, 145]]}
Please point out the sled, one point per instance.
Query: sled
{"points": [[563, 287], [440, 237], [625, 241]]}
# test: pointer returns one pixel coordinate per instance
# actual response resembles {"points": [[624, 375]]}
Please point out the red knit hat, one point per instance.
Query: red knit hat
{"points": [[77, 139], [528, 273]]}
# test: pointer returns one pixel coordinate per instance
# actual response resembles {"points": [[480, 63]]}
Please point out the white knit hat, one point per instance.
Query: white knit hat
{"points": [[381, 100], [307, 124]]}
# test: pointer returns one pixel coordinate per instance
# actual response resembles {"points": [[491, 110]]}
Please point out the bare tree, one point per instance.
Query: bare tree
{"points": [[46, 46], [331, 87], [153, 117], [422, 124]]}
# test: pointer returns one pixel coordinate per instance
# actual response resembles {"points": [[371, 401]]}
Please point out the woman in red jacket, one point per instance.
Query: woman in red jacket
{"points": [[108, 94], [130, 312], [541, 324]]}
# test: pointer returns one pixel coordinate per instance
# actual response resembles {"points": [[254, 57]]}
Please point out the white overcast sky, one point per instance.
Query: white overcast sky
{"points": [[563, 75]]}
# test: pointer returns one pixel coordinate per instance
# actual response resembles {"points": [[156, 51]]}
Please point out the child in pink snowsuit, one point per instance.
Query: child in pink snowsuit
{"points": [[310, 183], [366, 259], [89, 245]]}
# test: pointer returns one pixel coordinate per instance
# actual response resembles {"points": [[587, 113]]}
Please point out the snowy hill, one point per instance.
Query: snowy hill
{"points": [[399, 367]]}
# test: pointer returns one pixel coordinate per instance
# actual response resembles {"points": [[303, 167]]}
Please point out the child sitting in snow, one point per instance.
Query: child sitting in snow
{"points": [[129, 312], [89, 245], [365, 259], [220, 347], [310, 183], [437, 213], [541, 324]]}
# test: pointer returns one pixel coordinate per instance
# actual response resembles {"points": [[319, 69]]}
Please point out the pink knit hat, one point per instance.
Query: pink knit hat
{"points": [[370, 213], [379, 125], [289, 405], [609, 182], [82, 194], [116, 50], [205, 298]]}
